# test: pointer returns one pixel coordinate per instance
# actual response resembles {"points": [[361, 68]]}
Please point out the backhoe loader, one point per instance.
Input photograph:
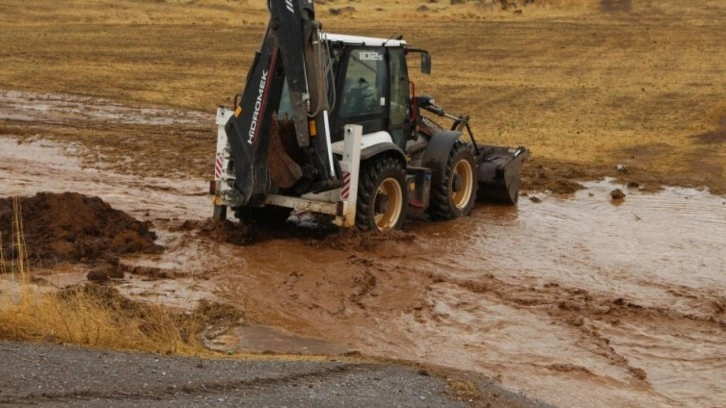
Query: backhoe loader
{"points": [[331, 124]]}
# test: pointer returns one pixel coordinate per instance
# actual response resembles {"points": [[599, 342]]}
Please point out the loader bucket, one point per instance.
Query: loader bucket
{"points": [[500, 173]]}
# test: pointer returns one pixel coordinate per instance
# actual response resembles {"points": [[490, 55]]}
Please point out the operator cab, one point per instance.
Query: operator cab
{"points": [[371, 88], [375, 92]]}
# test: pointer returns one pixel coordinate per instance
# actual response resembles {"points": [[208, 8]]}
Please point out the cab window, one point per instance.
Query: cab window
{"points": [[364, 86], [400, 99]]}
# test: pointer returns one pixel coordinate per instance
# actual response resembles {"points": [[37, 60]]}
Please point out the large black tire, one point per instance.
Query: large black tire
{"points": [[382, 195], [454, 196]]}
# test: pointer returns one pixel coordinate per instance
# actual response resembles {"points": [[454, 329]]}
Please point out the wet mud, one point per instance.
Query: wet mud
{"points": [[620, 305], [106, 135], [259, 339], [70, 227], [624, 301], [226, 231], [64, 108]]}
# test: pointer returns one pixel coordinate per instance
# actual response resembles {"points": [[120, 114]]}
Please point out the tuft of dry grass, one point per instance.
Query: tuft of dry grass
{"points": [[94, 315], [3, 271], [18, 265], [2, 257], [463, 390]]}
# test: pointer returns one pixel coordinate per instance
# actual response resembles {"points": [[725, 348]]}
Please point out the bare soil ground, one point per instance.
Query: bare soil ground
{"points": [[619, 302]]}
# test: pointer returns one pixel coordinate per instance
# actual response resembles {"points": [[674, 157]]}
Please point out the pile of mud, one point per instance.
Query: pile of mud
{"points": [[72, 227]]}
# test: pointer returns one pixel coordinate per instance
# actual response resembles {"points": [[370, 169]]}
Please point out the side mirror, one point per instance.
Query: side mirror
{"points": [[425, 63]]}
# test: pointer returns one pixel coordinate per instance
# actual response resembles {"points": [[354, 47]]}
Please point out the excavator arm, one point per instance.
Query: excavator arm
{"points": [[292, 53]]}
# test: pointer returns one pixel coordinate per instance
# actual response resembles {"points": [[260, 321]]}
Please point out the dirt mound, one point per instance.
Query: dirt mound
{"points": [[559, 178], [73, 227]]}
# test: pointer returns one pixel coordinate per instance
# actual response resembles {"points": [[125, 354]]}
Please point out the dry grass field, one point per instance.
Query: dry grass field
{"points": [[585, 84]]}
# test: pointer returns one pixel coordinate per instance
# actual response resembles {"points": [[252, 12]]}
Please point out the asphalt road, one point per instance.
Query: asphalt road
{"points": [[64, 376]]}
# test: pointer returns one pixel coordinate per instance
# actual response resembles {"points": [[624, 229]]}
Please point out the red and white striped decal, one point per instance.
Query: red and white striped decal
{"points": [[345, 191], [218, 167]]}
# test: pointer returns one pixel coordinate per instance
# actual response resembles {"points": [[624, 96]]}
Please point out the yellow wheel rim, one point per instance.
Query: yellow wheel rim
{"points": [[465, 173], [387, 204]]}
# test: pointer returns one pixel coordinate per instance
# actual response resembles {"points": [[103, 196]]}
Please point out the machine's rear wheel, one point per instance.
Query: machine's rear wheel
{"points": [[382, 196], [455, 195]]}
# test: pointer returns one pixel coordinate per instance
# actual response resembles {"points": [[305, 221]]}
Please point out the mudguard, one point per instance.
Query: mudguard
{"points": [[379, 148], [437, 153]]}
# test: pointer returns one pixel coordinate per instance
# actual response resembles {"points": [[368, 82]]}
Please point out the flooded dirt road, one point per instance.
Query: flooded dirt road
{"points": [[576, 301]]}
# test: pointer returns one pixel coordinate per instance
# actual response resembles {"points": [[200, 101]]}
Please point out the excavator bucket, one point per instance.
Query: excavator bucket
{"points": [[282, 169], [500, 173]]}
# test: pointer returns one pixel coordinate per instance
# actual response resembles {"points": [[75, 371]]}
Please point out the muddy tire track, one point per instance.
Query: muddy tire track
{"points": [[566, 302], [564, 306]]}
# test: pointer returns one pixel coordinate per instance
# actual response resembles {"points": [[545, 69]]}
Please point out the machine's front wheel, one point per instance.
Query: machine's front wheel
{"points": [[382, 196], [455, 195]]}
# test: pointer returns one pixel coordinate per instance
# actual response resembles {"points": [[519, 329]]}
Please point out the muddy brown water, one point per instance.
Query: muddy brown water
{"points": [[62, 108], [619, 305]]}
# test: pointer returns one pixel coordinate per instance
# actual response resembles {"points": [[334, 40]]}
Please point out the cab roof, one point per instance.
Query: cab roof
{"points": [[367, 41]]}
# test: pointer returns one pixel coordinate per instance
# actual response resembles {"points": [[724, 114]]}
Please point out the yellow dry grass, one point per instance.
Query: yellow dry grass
{"points": [[463, 390], [573, 82], [80, 317], [89, 315]]}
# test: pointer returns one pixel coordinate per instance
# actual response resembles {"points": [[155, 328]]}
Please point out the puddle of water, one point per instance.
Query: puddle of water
{"points": [[60, 108], [42, 166], [662, 252], [180, 293], [265, 339], [648, 242]]}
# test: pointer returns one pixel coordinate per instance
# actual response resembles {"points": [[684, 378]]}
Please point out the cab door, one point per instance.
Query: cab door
{"points": [[399, 97], [363, 90]]}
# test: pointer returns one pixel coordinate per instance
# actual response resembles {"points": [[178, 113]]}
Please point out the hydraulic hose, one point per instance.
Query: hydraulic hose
{"points": [[321, 69]]}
